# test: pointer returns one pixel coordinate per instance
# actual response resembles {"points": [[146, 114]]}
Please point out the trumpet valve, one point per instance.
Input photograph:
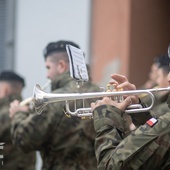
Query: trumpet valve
{"points": [[108, 88], [112, 88], [120, 98]]}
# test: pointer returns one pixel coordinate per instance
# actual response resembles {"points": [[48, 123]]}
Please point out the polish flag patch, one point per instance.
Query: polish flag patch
{"points": [[151, 122]]}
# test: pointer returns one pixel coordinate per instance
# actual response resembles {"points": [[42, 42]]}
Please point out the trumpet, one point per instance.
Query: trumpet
{"points": [[41, 99], [30, 99]]}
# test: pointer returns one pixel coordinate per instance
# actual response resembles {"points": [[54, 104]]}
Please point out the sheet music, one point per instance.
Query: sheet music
{"points": [[78, 69]]}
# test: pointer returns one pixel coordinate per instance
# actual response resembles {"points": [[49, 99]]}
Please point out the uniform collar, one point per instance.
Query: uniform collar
{"points": [[61, 80]]}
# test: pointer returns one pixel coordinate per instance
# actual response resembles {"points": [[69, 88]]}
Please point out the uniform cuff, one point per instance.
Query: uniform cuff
{"points": [[107, 115]]}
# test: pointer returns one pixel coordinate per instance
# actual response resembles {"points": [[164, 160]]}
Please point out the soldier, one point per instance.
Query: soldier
{"points": [[64, 143], [151, 82], [11, 85], [146, 148], [161, 106]]}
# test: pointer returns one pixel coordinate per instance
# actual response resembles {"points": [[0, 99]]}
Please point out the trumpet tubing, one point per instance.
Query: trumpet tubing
{"points": [[30, 99], [41, 99], [26, 101]]}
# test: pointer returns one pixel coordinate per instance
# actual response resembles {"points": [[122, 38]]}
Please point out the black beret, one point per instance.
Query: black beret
{"points": [[58, 46], [11, 76]]}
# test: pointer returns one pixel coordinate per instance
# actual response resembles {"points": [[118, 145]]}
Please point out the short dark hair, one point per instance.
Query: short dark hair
{"points": [[58, 46], [11, 76], [162, 60]]}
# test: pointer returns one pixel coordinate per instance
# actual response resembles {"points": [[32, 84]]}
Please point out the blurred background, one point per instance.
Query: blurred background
{"points": [[117, 36]]}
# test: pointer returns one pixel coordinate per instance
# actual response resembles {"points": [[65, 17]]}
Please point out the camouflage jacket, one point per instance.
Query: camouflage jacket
{"points": [[146, 148], [64, 143], [13, 159], [161, 107], [160, 97]]}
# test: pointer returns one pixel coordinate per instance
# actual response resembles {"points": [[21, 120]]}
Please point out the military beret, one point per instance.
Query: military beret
{"points": [[58, 46], [11, 76]]}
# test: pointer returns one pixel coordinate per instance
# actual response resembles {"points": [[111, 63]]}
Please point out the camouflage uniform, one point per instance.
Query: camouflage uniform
{"points": [[64, 143], [161, 107], [147, 148], [13, 159]]}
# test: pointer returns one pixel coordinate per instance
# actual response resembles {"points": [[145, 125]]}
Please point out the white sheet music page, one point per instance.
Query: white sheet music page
{"points": [[78, 69]]}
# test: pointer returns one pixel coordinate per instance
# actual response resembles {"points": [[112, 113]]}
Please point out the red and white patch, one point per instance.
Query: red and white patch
{"points": [[151, 122]]}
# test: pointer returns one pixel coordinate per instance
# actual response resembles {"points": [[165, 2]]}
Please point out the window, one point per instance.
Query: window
{"points": [[7, 20]]}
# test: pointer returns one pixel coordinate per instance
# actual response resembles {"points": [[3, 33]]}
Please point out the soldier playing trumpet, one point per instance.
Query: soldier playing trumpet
{"points": [[146, 148], [64, 143]]}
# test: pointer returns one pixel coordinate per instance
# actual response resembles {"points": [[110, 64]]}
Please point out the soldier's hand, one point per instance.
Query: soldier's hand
{"points": [[108, 101], [15, 107], [122, 83]]}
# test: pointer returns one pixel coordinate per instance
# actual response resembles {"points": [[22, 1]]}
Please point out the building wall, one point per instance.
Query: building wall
{"points": [[110, 38], [126, 36], [41, 21], [150, 36]]}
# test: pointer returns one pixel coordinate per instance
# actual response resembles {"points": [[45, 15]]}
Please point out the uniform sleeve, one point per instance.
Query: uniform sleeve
{"points": [[109, 126], [159, 110], [31, 131], [140, 118], [4, 125], [114, 152]]}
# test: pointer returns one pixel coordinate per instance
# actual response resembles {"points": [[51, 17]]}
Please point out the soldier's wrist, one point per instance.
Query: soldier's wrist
{"points": [[107, 115]]}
